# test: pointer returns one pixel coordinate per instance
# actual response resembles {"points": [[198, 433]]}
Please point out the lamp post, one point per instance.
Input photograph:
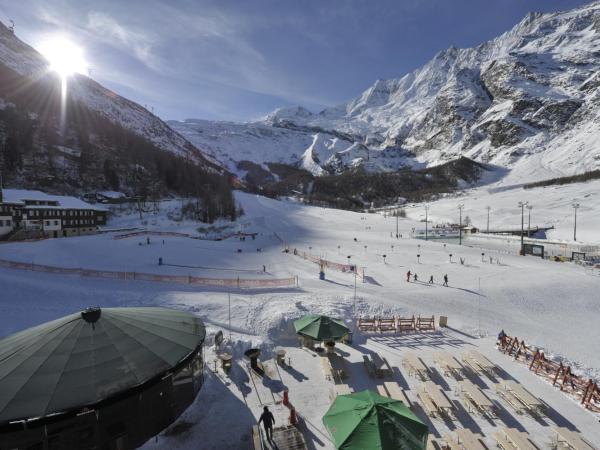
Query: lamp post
{"points": [[522, 205], [354, 301], [529, 208], [488, 218], [460, 210], [396, 223], [426, 218], [575, 207]]}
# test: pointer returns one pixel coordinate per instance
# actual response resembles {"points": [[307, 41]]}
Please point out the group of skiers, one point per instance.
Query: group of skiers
{"points": [[416, 278]]}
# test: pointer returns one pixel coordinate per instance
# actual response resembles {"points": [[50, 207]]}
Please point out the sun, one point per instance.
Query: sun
{"points": [[65, 57]]}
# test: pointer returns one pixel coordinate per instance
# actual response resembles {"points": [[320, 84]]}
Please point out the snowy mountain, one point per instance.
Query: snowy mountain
{"points": [[20, 63], [527, 101]]}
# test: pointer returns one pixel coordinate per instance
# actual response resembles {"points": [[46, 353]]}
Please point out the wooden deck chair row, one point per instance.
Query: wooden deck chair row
{"points": [[513, 439]]}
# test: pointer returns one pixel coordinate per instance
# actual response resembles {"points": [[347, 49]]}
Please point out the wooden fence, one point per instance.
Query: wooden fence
{"points": [[239, 283], [351, 268], [586, 390]]}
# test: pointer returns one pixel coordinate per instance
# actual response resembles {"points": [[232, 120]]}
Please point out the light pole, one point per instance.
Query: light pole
{"points": [[488, 218], [426, 209], [529, 208], [522, 206], [460, 210], [396, 212], [575, 207]]}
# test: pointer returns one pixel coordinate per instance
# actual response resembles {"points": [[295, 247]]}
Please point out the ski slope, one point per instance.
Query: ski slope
{"points": [[550, 305]]}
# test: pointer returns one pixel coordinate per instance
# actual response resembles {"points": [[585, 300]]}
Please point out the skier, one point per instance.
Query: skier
{"points": [[147, 241], [416, 278], [431, 279], [445, 280], [408, 274], [268, 420], [264, 268]]}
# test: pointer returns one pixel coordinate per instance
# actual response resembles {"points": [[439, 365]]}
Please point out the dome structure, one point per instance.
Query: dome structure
{"points": [[147, 360]]}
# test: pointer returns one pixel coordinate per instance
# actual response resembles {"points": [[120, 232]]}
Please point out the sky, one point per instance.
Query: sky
{"points": [[239, 60]]}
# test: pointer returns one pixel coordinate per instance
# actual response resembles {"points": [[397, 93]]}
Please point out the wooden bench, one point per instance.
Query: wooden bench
{"points": [[256, 438], [338, 365], [382, 367], [327, 369], [479, 363], [340, 389], [533, 404]]}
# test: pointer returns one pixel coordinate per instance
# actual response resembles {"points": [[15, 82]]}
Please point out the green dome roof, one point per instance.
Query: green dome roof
{"points": [[86, 357]]}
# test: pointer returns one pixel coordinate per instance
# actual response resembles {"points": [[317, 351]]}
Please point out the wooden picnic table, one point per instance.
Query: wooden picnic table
{"points": [[415, 365], [396, 392], [448, 364], [530, 401], [476, 396], [481, 361], [464, 440], [470, 440], [518, 439], [573, 439], [437, 395]]}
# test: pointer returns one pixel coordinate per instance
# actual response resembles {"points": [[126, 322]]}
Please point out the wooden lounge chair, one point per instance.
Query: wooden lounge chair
{"points": [[514, 439], [426, 323], [406, 324], [367, 324]]}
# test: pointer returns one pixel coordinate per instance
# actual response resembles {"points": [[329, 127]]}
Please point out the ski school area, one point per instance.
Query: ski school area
{"points": [[470, 391]]}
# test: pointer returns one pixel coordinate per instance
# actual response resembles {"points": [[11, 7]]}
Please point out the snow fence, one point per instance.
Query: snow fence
{"points": [[360, 271], [238, 283]]}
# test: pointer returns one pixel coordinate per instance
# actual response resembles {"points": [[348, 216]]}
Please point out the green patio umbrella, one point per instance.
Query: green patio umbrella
{"points": [[367, 421], [321, 328]]}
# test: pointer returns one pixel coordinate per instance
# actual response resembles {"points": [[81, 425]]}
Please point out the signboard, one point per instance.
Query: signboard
{"points": [[533, 249]]}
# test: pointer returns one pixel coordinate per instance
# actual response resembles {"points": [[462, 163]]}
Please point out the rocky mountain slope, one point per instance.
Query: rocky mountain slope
{"points": [[528, 101], [27, 64], [93, 139]]}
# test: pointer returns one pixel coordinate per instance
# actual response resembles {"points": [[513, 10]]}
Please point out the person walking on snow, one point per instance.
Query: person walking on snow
{"points": [[445, 280], [408, 274], [268, 420], [431, 279], [416, 277]]}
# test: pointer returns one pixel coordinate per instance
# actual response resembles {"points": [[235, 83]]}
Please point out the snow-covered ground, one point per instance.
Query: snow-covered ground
{"points": [[551, 305]]}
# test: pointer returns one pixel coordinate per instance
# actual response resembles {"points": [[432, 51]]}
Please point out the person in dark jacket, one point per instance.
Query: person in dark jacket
{"points": [[268, 421], [445, 280]]}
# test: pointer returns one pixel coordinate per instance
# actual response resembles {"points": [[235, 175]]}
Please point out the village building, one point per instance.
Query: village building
{"points": [[27, 213]]}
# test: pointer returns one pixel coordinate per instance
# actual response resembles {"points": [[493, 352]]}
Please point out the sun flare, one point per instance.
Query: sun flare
{"points": [[65, 57]]}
